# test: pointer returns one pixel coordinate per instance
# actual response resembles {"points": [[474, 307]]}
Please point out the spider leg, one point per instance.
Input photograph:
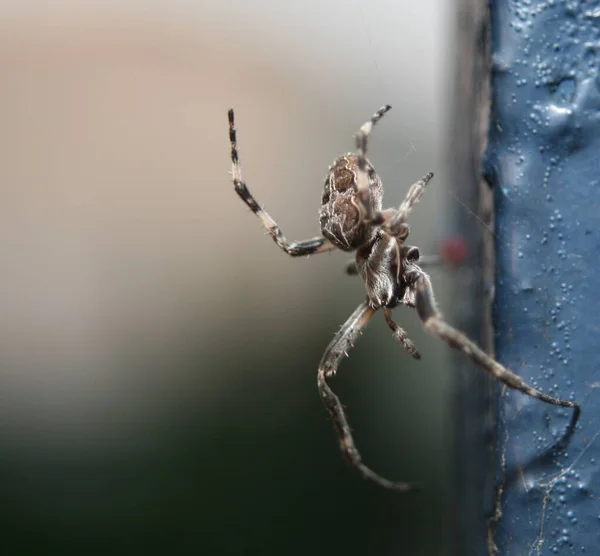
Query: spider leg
{"points": [[415, 192], [338, 347], [362, 177], [412, 197], [294, 249], [394, 221], [401, 335], [433, 322]]}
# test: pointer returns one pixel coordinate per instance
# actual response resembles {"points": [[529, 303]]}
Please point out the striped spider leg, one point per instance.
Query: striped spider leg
{"points": [[295, 248]]}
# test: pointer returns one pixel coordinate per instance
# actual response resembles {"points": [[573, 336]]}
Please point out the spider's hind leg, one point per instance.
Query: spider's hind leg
{"points": [[339, 347], [433, 322]]}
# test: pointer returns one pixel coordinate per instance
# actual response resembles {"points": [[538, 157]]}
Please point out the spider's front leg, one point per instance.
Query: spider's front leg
{"points": [[433, 322], [367, 181], [362, 175], [394, 221], [295, 248], [339, 347]]}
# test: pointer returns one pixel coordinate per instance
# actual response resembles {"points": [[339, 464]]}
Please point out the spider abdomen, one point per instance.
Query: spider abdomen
{"points": [[341, 214]]}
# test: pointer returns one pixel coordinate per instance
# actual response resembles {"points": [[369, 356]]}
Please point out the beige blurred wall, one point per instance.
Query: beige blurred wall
{"points": [[139, 298], [118, 230], [126, 255]]}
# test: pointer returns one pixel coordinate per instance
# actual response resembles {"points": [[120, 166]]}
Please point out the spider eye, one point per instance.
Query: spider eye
{"points": [[403, 232]]}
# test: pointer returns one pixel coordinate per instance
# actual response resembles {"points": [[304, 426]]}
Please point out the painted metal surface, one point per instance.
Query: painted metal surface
{"points": [[543, 161]]}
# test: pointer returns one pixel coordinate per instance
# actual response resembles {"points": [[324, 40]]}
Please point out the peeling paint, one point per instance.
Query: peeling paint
{"points": [[543, 161]]}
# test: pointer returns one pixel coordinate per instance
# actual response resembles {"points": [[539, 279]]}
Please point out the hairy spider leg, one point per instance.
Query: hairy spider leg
{"points": [[295, 248], [415, 192], [400, 335], [391, 220], [362, 176], [339, 347], [434, 323]]}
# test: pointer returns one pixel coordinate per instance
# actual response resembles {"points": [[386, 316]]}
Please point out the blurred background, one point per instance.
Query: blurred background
{"points": [[158, 353]]}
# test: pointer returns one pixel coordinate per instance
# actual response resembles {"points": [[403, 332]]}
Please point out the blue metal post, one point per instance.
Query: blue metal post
{"points": [[543, 162]]}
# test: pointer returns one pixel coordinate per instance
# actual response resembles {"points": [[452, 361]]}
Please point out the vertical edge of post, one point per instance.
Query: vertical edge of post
{"points": [[474, 408]]}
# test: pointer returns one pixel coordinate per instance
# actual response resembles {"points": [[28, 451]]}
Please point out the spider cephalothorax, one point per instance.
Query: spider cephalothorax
{"points": [[352, 219]]}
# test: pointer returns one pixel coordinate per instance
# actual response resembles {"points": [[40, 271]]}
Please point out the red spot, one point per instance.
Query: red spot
{"points": [[453, 250]]}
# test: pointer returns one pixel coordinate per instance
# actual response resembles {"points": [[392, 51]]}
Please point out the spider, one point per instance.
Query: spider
{"points": [[352, 219]]}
